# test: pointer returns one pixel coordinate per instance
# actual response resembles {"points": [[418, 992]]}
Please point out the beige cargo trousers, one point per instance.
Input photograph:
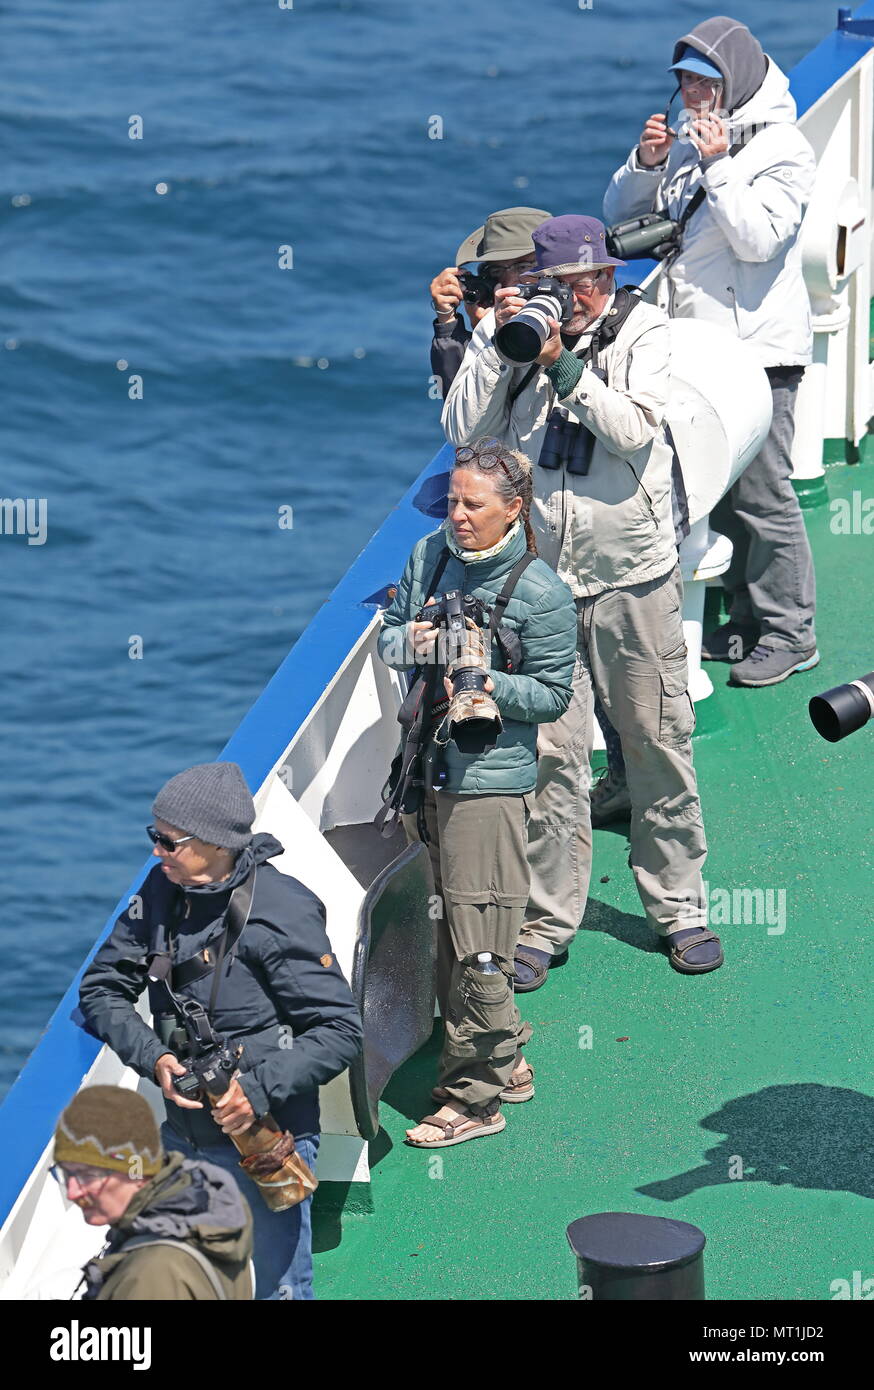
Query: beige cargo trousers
{"points": [[631, 650]]}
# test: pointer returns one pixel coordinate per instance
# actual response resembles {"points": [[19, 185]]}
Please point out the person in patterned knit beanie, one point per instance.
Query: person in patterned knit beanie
{"points": [[177, 1229]]}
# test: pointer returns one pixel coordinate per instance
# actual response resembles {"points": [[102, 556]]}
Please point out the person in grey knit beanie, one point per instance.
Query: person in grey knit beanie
{"points": [[271, 979], [210, 801]]}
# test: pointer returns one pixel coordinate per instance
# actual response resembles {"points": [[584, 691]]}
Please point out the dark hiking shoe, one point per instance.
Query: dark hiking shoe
{"points": [[731, 642], [610, 799], [770, 665], [694, 950]]}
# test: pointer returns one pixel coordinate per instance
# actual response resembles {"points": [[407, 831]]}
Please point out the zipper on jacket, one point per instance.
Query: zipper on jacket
{"points": [[645, 493], [563, 531]]}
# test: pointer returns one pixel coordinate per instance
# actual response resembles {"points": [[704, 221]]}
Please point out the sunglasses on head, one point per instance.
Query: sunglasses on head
{"points": [[486, 457], [166, 841]]}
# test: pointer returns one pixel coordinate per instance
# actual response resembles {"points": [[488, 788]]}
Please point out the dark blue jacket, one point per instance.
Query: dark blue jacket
{"points": [[282, 994]]}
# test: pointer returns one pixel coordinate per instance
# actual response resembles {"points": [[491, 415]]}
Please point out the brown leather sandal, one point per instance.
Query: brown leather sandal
{"points": [[490, 1124]]}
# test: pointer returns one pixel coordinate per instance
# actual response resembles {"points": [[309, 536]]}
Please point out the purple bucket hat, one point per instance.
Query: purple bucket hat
{"points": [[570, 243]]}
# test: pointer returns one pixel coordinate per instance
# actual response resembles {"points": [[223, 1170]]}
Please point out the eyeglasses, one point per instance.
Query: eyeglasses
{"points": [[85, 1177], [495, 271], [707, 84], [487, 456], [165, 841], [586, 281]]}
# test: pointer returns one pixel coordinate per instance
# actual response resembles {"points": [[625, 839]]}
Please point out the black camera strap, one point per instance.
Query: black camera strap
{"points": [[679, 496], [700, 194], [236, 917], [508, 641], [625, 301], [439, 569], [177, 977], [526, 380]]}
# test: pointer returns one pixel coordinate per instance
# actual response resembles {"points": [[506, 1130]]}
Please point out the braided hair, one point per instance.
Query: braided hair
{"points": [[512, 473]]}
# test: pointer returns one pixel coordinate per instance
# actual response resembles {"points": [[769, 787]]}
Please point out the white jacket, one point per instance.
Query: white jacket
{"points": [[740, 263], [611, 527]]}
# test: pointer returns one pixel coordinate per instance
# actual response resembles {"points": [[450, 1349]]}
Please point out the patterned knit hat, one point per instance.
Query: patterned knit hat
{"points": [[210, 801], [109, 1127]]}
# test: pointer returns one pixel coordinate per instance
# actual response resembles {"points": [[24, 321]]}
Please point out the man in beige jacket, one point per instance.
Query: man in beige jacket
{"points": [[588, 411]]}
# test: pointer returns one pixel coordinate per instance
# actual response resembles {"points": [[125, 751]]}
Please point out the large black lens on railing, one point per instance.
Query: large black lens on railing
{"points": [[843, 710]]}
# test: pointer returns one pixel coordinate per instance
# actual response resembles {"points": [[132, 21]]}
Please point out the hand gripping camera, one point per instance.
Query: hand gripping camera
{"points": [[523, 337], [211, 1063], [269, 1157], [473, 719]]}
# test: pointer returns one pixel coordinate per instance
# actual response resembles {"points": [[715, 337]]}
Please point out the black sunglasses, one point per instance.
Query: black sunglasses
{"points": [[171, 846]]}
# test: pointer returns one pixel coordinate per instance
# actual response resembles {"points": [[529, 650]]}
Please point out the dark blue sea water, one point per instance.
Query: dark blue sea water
{"points": [[261, 387]]}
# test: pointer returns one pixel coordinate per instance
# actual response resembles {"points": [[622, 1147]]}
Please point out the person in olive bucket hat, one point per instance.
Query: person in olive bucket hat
{"points": [[280, 994], [502, 250]]}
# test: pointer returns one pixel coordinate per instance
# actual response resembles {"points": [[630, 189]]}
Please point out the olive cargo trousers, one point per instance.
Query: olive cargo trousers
{"points": [[478, 848], [631, 650]]}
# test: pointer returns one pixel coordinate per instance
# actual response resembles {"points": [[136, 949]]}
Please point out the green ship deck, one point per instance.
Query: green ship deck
{"points": [[737, 1100]]}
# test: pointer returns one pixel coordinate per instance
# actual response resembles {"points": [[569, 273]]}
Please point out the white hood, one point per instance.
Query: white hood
{"points": [[772, 104]]}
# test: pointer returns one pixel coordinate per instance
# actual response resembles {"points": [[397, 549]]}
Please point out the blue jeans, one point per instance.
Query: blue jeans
{"points": [[283, 1241]]}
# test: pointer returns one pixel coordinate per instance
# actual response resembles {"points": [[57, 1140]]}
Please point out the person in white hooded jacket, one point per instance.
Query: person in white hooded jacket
{"points": [[739, 265]]}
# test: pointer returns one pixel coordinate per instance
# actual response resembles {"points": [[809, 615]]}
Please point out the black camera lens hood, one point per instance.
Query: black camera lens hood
{"points": [[841, 711]]}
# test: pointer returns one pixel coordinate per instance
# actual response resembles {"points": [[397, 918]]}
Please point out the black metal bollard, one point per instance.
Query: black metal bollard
{"points": [[626, 1257]]}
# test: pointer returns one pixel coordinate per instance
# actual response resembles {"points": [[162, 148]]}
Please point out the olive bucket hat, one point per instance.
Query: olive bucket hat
{"points": [[504, 236]]}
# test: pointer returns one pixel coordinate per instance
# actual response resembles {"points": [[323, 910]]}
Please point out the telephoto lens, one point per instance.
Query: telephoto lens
{"points": [[473, 719], [522, 339], [844, 709]]}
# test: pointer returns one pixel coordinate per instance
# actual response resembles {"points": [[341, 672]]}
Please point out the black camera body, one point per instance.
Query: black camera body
{"points": [[557, 289], [478, 289], [211, 1062], [212, 1072], [188, 1085], [451, 609]]}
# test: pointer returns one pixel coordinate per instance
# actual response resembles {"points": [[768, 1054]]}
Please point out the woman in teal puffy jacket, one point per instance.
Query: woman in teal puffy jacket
{"points": [[474, 810]]}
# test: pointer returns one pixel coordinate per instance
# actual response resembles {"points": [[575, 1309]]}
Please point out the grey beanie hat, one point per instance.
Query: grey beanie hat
{"points": [[211, 801]]}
